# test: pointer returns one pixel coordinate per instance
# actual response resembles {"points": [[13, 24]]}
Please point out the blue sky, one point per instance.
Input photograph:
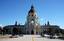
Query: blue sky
{"points": [[17, 10]]}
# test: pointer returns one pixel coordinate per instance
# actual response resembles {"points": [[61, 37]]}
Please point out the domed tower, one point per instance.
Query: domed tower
{"points": [[32, 21]]}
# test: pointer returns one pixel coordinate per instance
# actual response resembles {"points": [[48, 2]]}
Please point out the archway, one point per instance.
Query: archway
{"points": [[32, 32]]}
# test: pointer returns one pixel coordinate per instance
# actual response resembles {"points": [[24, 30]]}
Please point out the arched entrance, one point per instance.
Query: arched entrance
{"points": [[32, 32]]}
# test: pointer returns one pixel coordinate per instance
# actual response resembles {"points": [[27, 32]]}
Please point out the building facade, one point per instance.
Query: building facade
{"points": [[32, 22], [50, 29]]}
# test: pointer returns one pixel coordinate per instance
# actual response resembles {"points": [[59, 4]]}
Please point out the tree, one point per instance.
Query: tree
{"points": [[15, 31]]}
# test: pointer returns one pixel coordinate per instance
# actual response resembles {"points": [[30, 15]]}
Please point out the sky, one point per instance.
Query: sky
{"points": [[46, 10]]}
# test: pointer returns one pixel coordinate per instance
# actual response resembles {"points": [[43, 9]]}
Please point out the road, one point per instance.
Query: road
{"points": [[29, 38]]}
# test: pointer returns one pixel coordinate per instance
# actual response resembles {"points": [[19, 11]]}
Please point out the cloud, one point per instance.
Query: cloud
{"points": [[1, 25]]}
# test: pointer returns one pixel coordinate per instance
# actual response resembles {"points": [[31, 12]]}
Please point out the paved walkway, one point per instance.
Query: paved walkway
{"points": [[29, 38]]}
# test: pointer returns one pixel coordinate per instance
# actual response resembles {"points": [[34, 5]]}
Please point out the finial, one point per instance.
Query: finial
{"points": [[32, 6], [48, 23], [16, 23]]}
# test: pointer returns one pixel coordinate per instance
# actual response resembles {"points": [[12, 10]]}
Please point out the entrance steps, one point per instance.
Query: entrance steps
{"points": [[28, 36]]}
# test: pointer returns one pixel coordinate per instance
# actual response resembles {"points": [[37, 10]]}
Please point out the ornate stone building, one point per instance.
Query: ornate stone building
{"points": [[31, 25]]}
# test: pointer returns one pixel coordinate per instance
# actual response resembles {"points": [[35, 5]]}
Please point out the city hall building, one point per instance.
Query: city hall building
{"points": [[31, 25]]}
